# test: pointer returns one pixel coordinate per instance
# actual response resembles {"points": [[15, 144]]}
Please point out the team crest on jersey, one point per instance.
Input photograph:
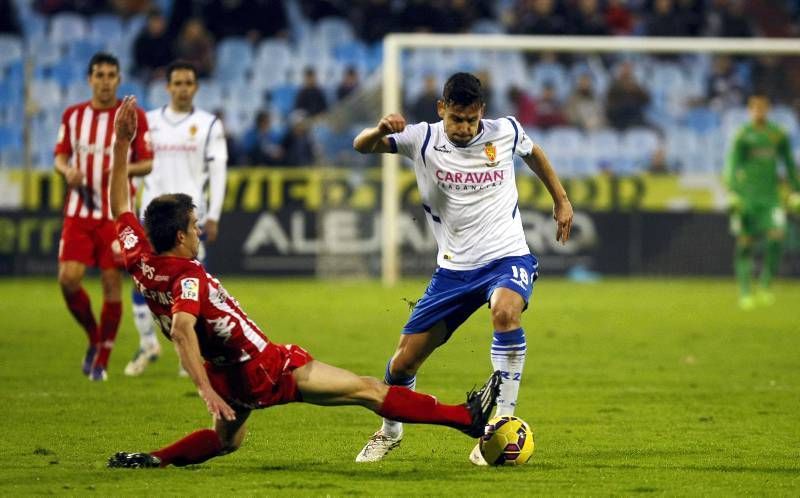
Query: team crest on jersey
{"points": [[190, 288], [491, 151], [192, 131]]}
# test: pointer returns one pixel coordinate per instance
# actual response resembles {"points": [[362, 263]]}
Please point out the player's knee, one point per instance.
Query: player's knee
{"points": [[404, 366], [69, 281], [504, 317]]}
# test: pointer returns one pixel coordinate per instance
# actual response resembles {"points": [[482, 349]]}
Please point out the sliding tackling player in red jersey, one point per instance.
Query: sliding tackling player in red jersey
{"points": [[235, 367]]}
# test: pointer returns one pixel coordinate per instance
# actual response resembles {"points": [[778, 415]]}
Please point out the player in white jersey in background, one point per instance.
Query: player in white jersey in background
{"points": [[465, 173], [190, 157]]}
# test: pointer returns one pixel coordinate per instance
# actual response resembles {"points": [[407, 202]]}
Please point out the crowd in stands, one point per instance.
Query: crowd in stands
{"points": [[272, 69]]}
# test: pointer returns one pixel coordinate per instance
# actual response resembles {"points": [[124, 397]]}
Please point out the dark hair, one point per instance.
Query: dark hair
{"points": [[463, 89], [165, 216], [102, 58], [180, 65]]}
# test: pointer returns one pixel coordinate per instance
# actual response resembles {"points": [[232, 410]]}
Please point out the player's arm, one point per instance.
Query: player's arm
{"points": [[374, 140], [217, 157], [124, 131], [142, 159], [73, 176], [140, 168], [733, 162], [185, 340], [538, 162], [788, 163]]}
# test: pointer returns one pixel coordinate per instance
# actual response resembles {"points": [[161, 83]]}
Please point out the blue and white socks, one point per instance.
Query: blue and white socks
{"points": [[392, 428], [508, 356]]}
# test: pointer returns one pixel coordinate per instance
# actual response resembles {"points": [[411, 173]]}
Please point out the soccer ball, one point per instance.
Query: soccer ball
{"points": [[508, 441]]}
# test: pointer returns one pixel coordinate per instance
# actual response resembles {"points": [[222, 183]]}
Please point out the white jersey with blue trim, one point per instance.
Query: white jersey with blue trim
{"points": [[189, 153], [469, 193]]}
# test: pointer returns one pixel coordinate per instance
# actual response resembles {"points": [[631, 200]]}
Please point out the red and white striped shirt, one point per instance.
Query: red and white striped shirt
{"points": [[225, 334], [86, 135]]}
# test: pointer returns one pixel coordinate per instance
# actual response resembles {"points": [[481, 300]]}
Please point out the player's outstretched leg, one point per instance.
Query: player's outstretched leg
{"points": [[149, 349], [324, 384], [197, 447]]}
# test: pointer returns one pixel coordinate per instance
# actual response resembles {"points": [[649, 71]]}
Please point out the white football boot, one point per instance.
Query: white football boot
{"points": [[378, 446], [476, 458], [142, 358]]}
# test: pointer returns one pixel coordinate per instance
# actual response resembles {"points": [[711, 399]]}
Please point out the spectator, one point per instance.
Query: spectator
{"points": [[234, 154], [9, 22], [152, 50], [522, 106], [195, 45], [374, 20], [583, 108], [348, 84], [128, 8], [254, 19], [261, 144], [626, 100], [724, 90], [587, 20], [619, 17], [423, 109], [735, 23], [660, 164], [548, 109], [538, 17], [690, 14], [300, 148], [665, 20], [310, 98]]}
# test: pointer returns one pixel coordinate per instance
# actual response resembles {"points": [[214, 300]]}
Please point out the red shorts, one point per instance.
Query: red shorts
{"points": [[91, 242], [263, 381]]}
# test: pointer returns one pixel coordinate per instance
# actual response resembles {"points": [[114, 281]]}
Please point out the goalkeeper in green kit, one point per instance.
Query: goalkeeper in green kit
{"points": [[751, 176]]}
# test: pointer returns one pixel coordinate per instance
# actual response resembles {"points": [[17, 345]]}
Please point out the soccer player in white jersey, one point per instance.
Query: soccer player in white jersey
{"points": [[190, 157], [465, 173]]}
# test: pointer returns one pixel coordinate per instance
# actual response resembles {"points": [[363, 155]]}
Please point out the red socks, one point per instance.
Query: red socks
{"points": [[404, 405], [81, 308], [109, 325], [197, 447]]}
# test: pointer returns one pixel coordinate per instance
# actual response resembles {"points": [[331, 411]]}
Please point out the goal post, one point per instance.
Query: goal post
{"points": [[395, 44]]}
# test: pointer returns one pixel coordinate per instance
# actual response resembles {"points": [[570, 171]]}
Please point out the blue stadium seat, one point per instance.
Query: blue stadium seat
{"points": [[702, 119], [604, 146], [78, 91], [283, 97], [66, 27], [34, 25], [351, 53], [67, 72], [157, 94], [10, 49], [105, 26], [487, 26], [234, 59], [80, 51], [209, 95], [44, 53], [639, 144], [333, 31], [132, 86], [374, 57], [552, 73], [46, 94]]}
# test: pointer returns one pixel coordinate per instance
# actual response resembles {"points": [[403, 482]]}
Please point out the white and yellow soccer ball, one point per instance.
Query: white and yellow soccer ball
{"points": [[508, 441]]}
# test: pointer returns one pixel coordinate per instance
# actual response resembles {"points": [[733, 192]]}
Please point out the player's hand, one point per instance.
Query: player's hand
{"points": [[125, 121], [562, 213], [393, 123], [211, 229], [74, 177], [217, 406]]}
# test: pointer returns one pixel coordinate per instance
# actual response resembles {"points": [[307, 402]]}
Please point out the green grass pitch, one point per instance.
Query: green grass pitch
{"points": [[633, 387]]}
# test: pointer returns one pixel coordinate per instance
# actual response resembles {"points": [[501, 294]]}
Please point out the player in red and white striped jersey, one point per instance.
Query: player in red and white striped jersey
{"points": [[83, 154], [243, 370]]}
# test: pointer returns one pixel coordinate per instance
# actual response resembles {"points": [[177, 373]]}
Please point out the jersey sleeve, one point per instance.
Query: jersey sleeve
{"points": [[132, 239], [217, 159], [409, 141], [188, 291], [733, 161], [785, 151], [63, 143], [141, 149], [523, 145]]}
